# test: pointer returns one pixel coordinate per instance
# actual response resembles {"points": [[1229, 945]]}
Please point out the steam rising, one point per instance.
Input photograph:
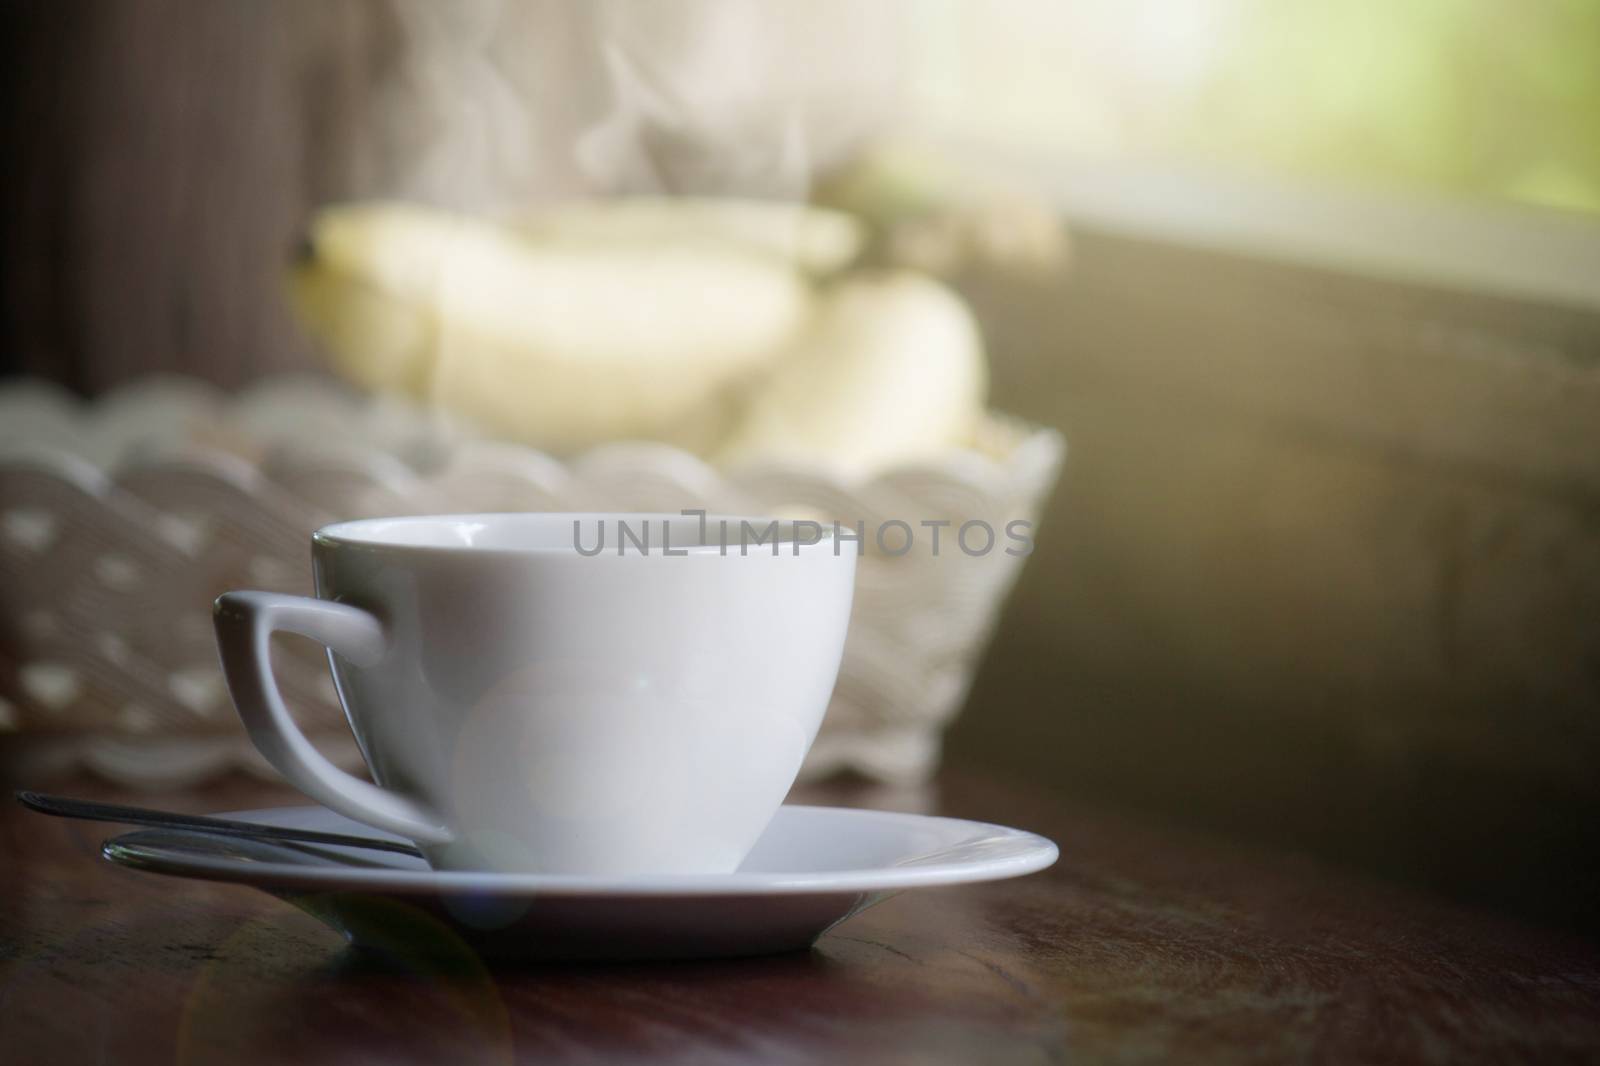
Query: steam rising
{"points": [[653, 141], [493, 104], [459, 131]]}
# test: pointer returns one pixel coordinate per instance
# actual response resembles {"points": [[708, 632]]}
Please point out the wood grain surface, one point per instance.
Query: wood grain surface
{"points": [[1139, 946]]}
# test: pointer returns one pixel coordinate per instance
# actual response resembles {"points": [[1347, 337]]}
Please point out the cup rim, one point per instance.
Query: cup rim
{"points": [[367, 533]]}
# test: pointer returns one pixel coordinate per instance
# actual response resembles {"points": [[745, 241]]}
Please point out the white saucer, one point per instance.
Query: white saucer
{"points": [[813, 868]]}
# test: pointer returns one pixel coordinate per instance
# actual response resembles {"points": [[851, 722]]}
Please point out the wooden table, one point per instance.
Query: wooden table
{"points": [[1141, 945]]}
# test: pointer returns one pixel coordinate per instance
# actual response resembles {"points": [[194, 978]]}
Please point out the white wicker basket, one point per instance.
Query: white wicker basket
{"points": [[121, 520]]}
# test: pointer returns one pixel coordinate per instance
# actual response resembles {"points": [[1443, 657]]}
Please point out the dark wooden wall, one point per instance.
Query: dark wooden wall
{"points": [[160, 157]]}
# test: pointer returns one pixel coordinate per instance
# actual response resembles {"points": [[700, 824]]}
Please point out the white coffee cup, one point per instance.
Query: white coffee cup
{"points": [[527, 706]]}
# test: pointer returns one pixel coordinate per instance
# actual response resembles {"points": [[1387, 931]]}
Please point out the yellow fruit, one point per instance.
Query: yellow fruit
{"points": [[891, 371], [561, 341], [813, 239]]}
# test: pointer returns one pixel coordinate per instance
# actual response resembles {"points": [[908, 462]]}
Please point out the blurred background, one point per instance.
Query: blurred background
{"points": [[1310, 289]]}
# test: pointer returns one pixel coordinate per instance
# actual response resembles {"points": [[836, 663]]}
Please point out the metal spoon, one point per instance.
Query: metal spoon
{"points": [[66, 807]]}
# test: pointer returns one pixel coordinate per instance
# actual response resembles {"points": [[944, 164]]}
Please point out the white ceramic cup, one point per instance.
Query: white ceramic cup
{"points": [[527, 707]]}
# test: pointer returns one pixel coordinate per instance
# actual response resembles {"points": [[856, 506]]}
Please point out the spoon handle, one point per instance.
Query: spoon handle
{"points": [[66, 807]]}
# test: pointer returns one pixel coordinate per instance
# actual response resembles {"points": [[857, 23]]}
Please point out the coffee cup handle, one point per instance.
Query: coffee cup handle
{"points": [[245, 621]]}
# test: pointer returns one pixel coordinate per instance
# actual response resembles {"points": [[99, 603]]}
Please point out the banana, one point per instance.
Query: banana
{"points": [[555, 339], [816, 240], [891, 371]]}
